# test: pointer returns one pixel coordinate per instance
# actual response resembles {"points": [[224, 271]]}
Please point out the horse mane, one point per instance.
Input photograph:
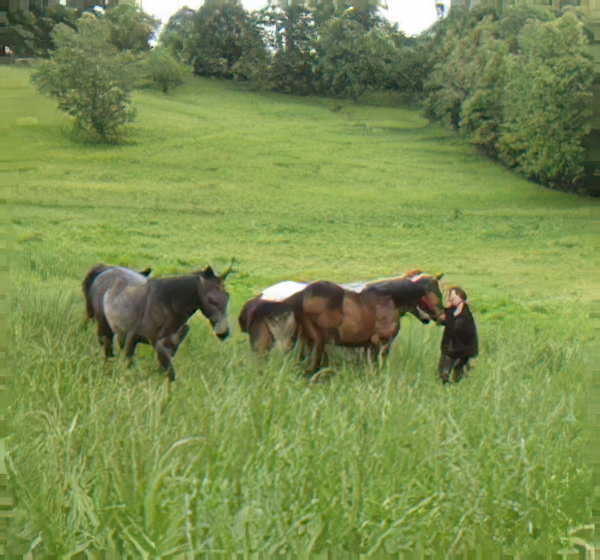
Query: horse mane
{"points": [[404, 290], [86, 285]]}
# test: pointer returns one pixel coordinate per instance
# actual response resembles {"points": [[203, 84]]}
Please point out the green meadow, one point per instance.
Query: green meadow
{"points": [[240, 455]]}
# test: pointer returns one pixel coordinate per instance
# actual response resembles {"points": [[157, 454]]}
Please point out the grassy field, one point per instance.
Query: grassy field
{"points": [[240, 455]]}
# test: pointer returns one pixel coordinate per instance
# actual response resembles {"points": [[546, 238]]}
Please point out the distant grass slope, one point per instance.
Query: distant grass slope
{"points": [[240, 455]]}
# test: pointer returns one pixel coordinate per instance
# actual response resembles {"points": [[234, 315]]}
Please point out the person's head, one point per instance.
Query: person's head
{"points": [[456, 296]]}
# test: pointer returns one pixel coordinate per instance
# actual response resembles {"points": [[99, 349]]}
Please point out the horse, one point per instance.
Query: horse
{"points": [[268, 318], [365, 316], [156, 312], [95, 284]]}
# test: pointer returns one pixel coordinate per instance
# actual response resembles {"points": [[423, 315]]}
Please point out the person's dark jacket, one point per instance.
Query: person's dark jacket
{"points": [[460, 334]]}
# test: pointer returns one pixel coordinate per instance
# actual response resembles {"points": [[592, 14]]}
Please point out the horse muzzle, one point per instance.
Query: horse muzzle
{"points": [[222, 335], [221, 329]]}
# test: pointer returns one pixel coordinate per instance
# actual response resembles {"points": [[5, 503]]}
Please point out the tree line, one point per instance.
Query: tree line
{"points": [[517, 84]]}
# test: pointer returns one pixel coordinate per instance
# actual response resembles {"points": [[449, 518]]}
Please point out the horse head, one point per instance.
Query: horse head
{"points": [[430, 305], [214, 299]]}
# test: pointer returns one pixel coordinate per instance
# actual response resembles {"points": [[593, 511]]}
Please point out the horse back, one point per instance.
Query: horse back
{"points": [[123, 298]]}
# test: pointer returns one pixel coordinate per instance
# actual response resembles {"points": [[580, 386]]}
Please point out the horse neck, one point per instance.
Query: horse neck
{"points": [[182, 293], [404, 293]]}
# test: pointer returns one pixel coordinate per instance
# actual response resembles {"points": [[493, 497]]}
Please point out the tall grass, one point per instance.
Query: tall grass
{"points": [[240, 454], [240, 457]]}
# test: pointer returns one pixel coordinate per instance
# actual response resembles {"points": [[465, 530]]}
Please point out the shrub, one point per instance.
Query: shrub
{"points": [[34, 28], [162, 70], [353, 60], [289, 35], [90, 78]]}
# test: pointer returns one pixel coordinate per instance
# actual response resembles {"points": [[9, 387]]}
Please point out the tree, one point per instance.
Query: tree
{"points": [[34, 28], [130, 28], [91, 80], [354, 59], [161, 69], [179, 35], [221, 33]]}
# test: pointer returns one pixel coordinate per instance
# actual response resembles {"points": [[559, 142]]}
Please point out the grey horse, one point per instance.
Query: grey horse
{"points": [[156, 311], [96, 283]]}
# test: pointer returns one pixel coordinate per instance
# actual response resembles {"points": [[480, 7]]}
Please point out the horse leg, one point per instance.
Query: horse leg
{"points": [[383, 354], [262, 339], [458, 371], [445, 367], [178, 337], [164, 353], [318, 352], [105, 336], [129, 346]]}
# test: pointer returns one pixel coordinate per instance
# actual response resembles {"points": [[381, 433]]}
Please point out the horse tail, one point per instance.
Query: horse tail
{"points": [[86, 285], [244, 316]]}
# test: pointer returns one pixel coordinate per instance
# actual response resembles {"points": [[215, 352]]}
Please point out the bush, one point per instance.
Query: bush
{"points": [[34, 28], [289, 35], [90, 78], [162, 70], [353, 60]]}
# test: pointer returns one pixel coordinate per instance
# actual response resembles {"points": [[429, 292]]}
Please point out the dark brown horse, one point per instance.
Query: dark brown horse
{"points": [[95, 285], [367, 318]]}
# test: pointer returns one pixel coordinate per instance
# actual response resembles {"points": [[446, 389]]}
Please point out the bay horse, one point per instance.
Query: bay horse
{"points": [[366, 317], [95, 284], [269, 319]]}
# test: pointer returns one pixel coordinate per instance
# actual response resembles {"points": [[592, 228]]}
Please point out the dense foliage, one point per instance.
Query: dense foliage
{"points": [[91, 79], [131, 29], [326, 49], [33, 29], [221, 33], [518, 85]]}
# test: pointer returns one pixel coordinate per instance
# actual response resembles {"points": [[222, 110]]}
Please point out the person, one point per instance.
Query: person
{"points": [[459, 341]]}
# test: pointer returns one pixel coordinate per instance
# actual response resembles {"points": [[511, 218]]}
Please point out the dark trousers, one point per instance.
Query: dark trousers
{"points": [[451, 368]]}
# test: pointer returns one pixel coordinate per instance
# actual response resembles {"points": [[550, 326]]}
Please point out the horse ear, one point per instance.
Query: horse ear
{"points": [[209, 273], [440, 276], [228, 271]]}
